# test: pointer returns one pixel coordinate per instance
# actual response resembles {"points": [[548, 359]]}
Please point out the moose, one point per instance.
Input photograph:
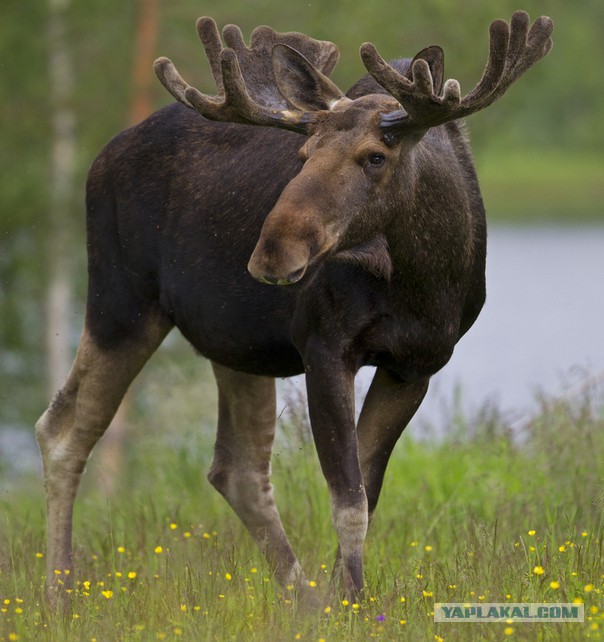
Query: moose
{"points": [[363, 212]]}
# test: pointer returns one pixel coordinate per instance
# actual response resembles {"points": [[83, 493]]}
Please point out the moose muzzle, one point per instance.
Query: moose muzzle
{"points": [[289, 242]]}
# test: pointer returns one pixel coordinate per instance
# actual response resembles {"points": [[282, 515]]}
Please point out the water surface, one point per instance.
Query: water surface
{"points": [[541, 330]]}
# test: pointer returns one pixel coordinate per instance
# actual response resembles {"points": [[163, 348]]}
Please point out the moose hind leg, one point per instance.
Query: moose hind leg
{"points": [[71, 426], [241, 467], [388, 407]]}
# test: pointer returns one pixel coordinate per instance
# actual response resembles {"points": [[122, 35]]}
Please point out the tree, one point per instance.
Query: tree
{"points": [[111, 451], [58, 297]]}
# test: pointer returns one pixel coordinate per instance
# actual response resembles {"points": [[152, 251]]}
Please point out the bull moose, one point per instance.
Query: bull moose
{"points": [[361, 210]]}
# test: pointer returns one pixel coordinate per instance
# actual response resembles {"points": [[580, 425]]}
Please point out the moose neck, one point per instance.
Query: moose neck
{"points": [[428, 248], [432, 232], [420, 236]]}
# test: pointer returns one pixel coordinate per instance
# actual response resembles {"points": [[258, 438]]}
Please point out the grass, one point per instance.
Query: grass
{"points": [[485, 515], [535, 186]]}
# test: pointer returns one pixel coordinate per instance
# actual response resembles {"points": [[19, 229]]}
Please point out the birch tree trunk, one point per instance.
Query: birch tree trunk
{"points": [[111, 452], [62, 172]]}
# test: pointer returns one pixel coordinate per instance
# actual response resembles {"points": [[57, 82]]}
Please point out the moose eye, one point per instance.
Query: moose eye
{"points": [[377, 159]]}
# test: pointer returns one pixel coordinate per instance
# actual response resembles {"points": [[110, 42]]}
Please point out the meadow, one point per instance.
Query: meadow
{"points": [[487, 513], [536, 186]]}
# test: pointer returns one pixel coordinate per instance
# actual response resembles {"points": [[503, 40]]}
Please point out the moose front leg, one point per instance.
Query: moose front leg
{"points": [[330, 387]]}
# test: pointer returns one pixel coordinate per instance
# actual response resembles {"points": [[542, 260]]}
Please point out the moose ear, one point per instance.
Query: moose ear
{"points": [[435, 57], [300, 83]]}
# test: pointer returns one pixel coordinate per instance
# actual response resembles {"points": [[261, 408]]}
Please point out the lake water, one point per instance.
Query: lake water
{"points": [[541, 330]]}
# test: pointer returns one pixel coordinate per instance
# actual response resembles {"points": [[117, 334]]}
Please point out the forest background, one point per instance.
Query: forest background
{"points": [[73, 74]]}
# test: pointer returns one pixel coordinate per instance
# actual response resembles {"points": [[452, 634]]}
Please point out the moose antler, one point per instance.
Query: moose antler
{"points": [[245, 79], [513, 49]]}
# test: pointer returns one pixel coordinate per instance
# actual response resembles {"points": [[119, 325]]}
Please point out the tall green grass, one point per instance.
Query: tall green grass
{"points": [[536, 186], [487, 514]]}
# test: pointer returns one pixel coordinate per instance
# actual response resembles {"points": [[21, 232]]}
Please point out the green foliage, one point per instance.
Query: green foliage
{"points": [[488, 515], [540, 185]]}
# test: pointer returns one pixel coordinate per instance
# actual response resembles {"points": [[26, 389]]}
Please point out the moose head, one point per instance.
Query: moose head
{"points": [[357, 153]]}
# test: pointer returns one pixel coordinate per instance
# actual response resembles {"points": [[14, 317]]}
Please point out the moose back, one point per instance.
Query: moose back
{"points": [[285, 227]]}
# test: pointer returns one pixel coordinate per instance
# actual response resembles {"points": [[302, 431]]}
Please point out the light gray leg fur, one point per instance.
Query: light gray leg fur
{"points": [[69, 429], [241, 467]]}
